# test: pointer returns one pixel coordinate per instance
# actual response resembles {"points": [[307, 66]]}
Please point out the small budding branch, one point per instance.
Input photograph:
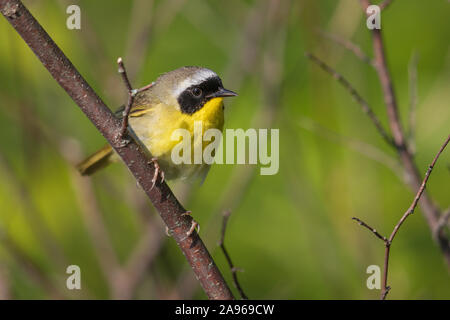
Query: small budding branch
{"points": [[410, 211], [131, 152], [395, 138], [234, 270]]}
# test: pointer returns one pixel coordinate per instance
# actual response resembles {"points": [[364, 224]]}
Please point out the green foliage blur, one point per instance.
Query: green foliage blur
{"points": [[291, 233]]}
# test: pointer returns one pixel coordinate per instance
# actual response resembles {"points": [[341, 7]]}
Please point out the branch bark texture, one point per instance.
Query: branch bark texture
{"points": [[132, 153]]}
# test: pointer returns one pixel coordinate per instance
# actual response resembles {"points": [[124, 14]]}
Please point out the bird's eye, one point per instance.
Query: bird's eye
{"points": [[197, 92]]}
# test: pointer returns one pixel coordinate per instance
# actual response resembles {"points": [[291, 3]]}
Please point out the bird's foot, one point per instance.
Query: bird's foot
{"points": [[158, 171], [194, 224]]}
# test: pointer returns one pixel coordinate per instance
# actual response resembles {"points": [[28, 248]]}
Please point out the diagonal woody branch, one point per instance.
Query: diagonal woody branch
{"points": [[133, 154], [363, 103], [430, 210], [408, 212], [347, 44]]}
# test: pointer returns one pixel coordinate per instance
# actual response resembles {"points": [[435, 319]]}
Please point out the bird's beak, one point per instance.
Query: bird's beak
{"points": [[222, 92]]}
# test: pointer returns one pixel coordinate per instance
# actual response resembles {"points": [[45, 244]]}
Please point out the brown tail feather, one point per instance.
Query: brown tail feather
{"points": [[95, 162]]}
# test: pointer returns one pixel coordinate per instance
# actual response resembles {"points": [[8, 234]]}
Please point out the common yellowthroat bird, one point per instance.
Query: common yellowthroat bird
{"points": [[176, 100]]}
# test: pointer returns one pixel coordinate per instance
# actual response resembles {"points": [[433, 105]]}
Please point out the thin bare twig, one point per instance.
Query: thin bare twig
{"points": [[131, 94], [244, 58], [420, 192], [349, 45], [234, 270], [374, 231], [412, 207], [405, 215], [430, 210], [124, 75], [133, 154], [363, 103], [145, 87]]}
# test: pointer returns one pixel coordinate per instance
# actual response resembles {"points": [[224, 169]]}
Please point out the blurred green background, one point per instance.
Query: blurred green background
{"points": [[290, 233]]}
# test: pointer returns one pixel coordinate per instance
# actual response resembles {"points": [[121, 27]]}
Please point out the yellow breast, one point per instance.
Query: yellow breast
{"points": [[211, 116], [155, 128]]}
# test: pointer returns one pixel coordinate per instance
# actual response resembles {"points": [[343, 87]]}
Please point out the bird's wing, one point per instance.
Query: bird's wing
{"points": [[143, 103], [136, 111]]}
